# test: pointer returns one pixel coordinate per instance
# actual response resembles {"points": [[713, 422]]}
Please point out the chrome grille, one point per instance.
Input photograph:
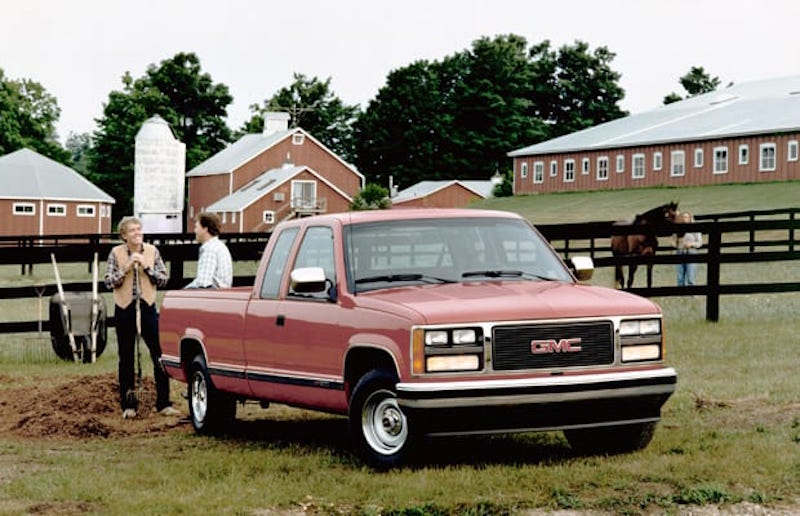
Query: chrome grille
{"points": [[511, 345]]}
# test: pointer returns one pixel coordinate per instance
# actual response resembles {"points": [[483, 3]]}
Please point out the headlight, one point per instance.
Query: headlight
{"points": [[641, 340], [643, 327], [436, 338], [466, 336]]}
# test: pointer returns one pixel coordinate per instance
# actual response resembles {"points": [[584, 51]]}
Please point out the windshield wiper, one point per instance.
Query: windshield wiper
{"points": [[389, 278], [497, 273]]}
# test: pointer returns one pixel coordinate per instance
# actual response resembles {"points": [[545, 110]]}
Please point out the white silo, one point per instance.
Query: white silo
{"points": [[159, 171]]}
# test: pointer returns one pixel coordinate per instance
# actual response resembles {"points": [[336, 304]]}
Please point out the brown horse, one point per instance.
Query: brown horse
{"points": [[644, 244]]}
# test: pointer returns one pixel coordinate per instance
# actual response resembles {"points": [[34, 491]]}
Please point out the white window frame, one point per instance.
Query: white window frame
{"points": [[658, 161], [299, 202], [602, 168], [674, 170], [538, 171], [720, 160], [25, 209], [523, 170], [620, 163], [56, 210], [791, 151], [268, 217], [585, 167], [763, 166], [569, 170], [298, 138], [698, 158], [105, 210], [553, 168], [233, 217], [744, 154], [85, 210], [637, 166]]}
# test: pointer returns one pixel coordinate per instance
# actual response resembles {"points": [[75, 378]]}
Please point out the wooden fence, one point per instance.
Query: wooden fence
{"points": [[741, 237]]}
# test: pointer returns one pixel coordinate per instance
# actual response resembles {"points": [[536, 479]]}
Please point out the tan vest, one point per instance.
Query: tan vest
{"points": [[123, 295]]}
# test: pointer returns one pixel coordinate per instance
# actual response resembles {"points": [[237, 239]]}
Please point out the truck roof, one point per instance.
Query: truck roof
{"points": [[358, 217]]}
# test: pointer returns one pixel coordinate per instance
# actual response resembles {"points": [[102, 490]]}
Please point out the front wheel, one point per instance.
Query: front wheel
{"points": [[211, 411], [378, 428], [611, 439]]}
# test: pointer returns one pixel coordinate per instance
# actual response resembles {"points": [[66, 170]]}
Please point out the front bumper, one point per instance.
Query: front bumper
{"points": [[536, 404]]}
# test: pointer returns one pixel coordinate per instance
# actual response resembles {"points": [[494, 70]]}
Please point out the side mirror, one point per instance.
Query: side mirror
{"points": [[308, 280], [582, 267]]}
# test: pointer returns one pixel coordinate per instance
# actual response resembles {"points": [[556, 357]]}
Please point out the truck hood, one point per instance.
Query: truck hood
{"points": [[504, 301]]}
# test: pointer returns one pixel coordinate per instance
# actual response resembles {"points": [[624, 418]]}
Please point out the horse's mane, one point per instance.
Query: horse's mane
{"points": [[656, 214]]}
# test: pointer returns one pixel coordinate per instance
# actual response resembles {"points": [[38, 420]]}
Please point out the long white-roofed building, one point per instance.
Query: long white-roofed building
{"points": [[39, 196], [747, 132]]}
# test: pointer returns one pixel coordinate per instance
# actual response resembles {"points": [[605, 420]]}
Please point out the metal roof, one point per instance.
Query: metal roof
{"points": [[750, 108], [236, 154], [25, 174], [424, 188]]}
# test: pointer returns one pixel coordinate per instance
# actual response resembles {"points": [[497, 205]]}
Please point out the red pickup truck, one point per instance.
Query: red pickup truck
{"points": [[423, 322]]}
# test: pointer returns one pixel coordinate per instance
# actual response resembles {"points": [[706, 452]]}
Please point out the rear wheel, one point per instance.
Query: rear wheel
{"points": [[378, 428], [211, 411], [611, 439]]}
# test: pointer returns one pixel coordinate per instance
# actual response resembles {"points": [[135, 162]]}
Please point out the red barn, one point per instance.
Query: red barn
{"points": [[39, 196], [744, 133]]}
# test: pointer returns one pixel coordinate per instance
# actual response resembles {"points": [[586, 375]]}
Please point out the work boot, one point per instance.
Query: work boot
{"points": [[169, 411]]}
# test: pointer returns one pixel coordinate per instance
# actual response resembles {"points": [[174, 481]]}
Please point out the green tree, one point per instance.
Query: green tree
{"points": [[696, 82], [577, 88], [185, 97], [79, 146], [459, 117], [371, 197], [28, 114], [315, 108]]}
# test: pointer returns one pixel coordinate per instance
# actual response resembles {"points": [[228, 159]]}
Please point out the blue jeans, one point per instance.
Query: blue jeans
{"points": [[687, 272]]}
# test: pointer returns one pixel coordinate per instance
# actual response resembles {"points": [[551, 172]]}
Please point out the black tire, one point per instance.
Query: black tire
{"points": [[211, 411], [378, 428], [610, 440]]}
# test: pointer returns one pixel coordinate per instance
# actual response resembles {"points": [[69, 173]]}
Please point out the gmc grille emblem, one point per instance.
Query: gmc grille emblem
{"points": [[540, 347]]}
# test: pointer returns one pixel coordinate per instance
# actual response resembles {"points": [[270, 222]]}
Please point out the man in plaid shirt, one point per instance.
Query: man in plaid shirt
{"points": [[214, 266]]}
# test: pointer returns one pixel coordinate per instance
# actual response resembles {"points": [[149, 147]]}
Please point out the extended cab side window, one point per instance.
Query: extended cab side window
{"points": [[316, 250], [277, 264]]}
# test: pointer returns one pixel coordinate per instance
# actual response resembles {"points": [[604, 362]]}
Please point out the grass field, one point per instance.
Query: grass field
{"points": [[729, 437]]}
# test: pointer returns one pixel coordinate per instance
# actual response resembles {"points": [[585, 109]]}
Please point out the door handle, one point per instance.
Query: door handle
{"points": [[280, 320]]}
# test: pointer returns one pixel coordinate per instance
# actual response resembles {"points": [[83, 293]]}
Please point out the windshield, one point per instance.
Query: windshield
{"points": [[445, 250]]}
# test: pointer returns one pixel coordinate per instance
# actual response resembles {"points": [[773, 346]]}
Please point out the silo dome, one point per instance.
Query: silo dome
{"points": [[155, 128]]}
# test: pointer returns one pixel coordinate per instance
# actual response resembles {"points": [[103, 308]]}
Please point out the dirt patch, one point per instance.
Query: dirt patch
{"points": [[84, 407]]}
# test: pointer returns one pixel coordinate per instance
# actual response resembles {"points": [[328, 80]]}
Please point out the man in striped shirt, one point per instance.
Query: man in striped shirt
{"points": [[214, 265]]}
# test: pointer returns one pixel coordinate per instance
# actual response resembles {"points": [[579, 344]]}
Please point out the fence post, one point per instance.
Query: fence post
{"points": [[712, 283]]}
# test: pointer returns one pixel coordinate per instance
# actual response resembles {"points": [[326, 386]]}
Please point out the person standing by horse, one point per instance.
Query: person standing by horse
{"points": [[686, 243]]}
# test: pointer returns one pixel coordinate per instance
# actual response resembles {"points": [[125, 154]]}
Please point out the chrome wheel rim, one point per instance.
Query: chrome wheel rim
{"points": [[199, 397], [383, 424]]}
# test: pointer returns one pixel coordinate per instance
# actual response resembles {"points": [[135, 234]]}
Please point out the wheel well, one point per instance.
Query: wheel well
{"points": [[361, 360], [190, 348]]}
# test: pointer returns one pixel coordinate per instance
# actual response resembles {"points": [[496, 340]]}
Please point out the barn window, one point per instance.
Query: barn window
{"points": [[767, 161], [744, 154], [57, 210], [85, 210], [24, 208], [523, 170], [620, 163], [637, 171], [602, 168], [720, 160], [538, 172], [298, 138], [569, 170], [585, 166], [657, 161], [791, 151], [698, 158], [553, 168], [677, 163]]}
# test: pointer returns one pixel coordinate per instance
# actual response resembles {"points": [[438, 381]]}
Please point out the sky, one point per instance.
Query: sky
{"points": [[80, 49]]}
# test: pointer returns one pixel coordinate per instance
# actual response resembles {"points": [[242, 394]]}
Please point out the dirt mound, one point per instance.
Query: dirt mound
{"points": [[83, 408]]}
